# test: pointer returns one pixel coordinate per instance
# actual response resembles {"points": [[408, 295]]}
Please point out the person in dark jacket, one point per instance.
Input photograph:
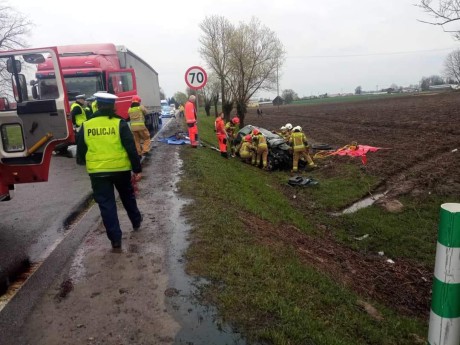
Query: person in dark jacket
{"points": [[106, 145]]}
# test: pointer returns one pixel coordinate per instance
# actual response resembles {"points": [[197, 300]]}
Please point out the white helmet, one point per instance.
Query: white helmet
{"points": [[283, 128], [288, 126], [297, 129]]}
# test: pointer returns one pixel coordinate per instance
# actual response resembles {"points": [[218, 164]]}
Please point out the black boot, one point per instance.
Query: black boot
{"points": [[224, 154]]}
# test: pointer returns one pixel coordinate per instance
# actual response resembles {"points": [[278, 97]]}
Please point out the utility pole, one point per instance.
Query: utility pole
{"points": [[277, 82]]}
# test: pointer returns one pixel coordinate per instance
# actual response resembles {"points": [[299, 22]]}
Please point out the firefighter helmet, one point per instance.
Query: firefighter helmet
{"points": [[236, 120], [255, 131], [248, 137], [136, 99], [297, 129], [288, 126]]}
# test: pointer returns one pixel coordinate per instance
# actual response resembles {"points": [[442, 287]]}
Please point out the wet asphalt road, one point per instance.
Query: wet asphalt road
{"points": [[33, 221]]}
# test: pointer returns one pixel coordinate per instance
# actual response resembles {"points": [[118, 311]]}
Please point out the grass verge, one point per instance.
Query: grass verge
{"points": [[267, 291]]}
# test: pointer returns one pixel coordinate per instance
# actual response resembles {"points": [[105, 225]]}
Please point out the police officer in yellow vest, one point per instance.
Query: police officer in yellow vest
{"points": [[77, 111], [106, 145], [94, 106], [141, 134], [88, 108]]}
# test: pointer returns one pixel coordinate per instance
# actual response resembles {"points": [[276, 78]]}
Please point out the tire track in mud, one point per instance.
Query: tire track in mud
{"points": [[370, 276], [419, 175]]}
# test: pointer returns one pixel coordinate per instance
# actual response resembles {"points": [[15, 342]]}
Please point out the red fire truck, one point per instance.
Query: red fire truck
{"points": [[31, 129]]}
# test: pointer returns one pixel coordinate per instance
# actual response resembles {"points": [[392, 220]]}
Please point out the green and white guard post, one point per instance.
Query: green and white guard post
{"points": [[444, 328]]}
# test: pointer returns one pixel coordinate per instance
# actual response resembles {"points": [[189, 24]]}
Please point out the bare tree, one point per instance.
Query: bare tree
{"points": [[14, 28], [228, 98], [256, 55], [443, 13], [209, 91], [215, 50], [452, 66], [289, 96], [426, 82]]}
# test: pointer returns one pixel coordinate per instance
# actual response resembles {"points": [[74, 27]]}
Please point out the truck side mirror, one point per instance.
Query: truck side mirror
{"points": [[35, 91], [9, 65], [22, 88], [34, 58]]}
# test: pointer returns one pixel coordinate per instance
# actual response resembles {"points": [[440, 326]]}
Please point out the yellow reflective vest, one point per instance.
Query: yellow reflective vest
{"points": [[105, 150], [80, 118], [94, 106], [298, 141], [136, 116], [261, 141]]}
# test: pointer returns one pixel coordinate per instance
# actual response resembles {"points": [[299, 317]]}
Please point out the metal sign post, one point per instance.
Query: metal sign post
{"points": [[195, 78]]}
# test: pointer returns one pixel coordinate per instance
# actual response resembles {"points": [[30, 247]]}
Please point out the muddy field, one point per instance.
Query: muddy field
{"points": [[421, 132]]}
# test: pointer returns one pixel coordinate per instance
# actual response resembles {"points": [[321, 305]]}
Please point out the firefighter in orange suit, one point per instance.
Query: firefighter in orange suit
{"points": [[221, 135], [190, 118], [299, 144], [260, 142]]}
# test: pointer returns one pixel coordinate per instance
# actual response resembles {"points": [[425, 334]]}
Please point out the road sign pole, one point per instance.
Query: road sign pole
{"points": [[444, 327], [195, 78]]}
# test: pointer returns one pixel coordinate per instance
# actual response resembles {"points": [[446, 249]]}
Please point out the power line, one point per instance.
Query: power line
{"points": [[372, 54]]}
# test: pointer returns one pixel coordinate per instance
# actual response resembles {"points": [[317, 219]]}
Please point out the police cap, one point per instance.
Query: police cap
{"points": [[105, 97], [82, 96]]}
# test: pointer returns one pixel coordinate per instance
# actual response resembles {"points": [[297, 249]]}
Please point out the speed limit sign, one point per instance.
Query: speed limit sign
{"points": [[196, 77]]}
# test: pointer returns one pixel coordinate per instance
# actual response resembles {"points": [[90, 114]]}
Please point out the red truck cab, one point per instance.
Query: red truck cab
{"points": [[87, 69]]}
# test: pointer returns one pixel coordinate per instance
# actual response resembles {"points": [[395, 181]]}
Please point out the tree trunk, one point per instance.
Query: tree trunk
{"points": [[216, 100], [207, 108], [227, 108], [224, 101], [242, 109]]}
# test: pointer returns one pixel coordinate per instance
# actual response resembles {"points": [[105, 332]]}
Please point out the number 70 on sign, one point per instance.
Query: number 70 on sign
{"points": [[196, 77]]}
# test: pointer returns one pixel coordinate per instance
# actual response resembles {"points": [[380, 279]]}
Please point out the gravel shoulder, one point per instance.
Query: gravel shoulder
{"points": [[105, 297]]}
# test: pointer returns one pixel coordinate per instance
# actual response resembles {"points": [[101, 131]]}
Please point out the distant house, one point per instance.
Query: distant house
{"points": [[444, 87], [278, 101]]}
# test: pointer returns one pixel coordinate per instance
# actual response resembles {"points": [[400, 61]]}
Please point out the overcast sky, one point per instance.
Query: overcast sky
{"points": [[332, 45]]}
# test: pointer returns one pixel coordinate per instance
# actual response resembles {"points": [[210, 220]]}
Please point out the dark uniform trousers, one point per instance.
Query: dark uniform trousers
{"points": [[104, 195]]}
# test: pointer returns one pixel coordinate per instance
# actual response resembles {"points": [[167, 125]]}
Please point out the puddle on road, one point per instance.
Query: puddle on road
{"points": [[363, 203], [200, 324]]}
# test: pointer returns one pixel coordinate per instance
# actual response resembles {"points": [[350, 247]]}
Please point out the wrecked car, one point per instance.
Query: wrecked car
{"points": [[279, 152]]}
